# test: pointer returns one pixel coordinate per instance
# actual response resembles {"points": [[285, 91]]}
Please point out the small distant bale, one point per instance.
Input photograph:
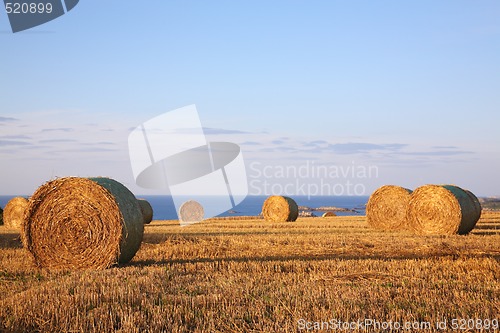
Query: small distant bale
{"points": [[386, 208], [278, 208], [13, 213], [82, 223], [146, 210], [442, 210], [191, 211], [329, 214]]}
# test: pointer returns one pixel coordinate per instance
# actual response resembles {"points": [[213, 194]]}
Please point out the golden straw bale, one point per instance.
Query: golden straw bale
{"points": [[13, 213], [278, 208], [441, 210], [386, 208], [191, 211], [329, 214], [77, 223]]}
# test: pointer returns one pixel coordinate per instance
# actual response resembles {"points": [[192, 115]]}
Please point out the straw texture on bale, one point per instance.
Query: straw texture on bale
{"points": [[329, 214], [441, 210], [386, 208], [13, 213], [146, 210], [191, 211], [76, 223], [278, 208]]}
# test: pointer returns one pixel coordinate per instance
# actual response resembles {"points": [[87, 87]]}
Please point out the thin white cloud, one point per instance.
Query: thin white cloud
{"points": [[220, 131], [7, 119], [437, 153], [6, 143], [60, 129], [57, 140], [250, 143], [444, 147], [364, 147], [15, 137], [86, 150]]}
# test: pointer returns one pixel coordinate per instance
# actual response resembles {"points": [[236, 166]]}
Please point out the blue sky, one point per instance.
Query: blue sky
{"points": [[408, 87]]}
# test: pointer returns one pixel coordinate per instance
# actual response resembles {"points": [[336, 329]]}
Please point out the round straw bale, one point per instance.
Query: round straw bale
{"points": [[146, 210], [13, 213], [278, 208], [191, 211], [441, 210], [76, 223], [386, 208], [477, 207], [329, 214]]}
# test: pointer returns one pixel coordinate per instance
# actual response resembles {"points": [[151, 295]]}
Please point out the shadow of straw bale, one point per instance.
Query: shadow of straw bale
{"points": [[10, 241], [309, 258], [487, 227], [158, 238]]}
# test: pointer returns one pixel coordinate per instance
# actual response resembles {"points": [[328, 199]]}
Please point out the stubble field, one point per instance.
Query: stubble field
{"points": [[255, 276]]}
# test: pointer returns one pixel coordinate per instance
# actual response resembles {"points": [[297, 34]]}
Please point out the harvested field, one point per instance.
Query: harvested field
{"points": [[254, 276]]}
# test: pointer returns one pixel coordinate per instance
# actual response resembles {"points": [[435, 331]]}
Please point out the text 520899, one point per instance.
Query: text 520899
{"points": [[28, 8], [475, 324]]}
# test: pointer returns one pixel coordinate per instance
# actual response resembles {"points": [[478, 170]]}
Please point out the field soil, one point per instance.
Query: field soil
{"points": [[254, 276]]}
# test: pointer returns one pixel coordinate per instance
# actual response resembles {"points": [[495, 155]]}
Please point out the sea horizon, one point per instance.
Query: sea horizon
{"points": [[164, 209]]}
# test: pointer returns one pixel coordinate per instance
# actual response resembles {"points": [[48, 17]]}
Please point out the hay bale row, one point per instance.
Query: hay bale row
{"points": [[443, 210], [13, 213], [76, 223], [280, 209], [430, 209], [386, 208]]}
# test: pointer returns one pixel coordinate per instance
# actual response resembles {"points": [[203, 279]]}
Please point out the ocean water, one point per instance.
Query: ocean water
{"points": [[164, 209]]}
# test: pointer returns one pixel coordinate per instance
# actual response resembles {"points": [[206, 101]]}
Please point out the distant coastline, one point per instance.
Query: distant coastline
{"points": [[163, 207], [490, 203]]}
